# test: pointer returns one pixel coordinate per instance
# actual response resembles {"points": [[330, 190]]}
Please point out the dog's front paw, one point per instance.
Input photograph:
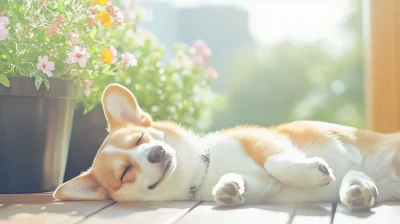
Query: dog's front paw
{"points": [[359, 195], [228, 194], [320, 173], [229, 191]]}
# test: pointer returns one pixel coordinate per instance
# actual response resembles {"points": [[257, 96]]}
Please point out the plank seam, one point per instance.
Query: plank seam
{"points": [[333, 211], [291, 217], [96, 211], [179, 217]]}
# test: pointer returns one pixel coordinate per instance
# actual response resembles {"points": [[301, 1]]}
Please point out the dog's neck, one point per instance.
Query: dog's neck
{"points": [[193, 160], [201, 173]]}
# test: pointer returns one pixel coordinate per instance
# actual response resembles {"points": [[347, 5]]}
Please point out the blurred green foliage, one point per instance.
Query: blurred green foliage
{"points": [[169, 87], [296, 82]]}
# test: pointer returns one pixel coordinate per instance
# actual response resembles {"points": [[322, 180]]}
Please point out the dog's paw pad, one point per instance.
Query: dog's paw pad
{"points": [[323, 169], [321, 173], [228, 194], [231, 189], [359, 196]]}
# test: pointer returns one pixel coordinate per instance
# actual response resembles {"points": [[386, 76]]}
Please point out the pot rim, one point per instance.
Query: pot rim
{"points": [[25, 86]]}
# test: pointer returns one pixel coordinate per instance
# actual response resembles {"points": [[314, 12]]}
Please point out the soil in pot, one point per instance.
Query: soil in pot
{"points": [[35, 128]]}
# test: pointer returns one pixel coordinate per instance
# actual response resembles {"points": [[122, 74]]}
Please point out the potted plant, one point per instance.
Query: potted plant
{"points": [[49, 50], [178, 84]]}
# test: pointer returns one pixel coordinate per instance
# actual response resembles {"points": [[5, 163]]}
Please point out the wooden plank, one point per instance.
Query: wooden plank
{"points": [[55, 212], [208, 213], [386, 213], [318, 213], [142, 212], [26, 198]]}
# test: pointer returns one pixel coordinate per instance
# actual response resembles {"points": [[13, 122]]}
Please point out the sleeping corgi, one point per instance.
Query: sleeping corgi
{"points": [[303, 161]]}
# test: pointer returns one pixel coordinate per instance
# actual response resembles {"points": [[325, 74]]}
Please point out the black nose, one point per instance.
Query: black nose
{"points": [[156, 155]]}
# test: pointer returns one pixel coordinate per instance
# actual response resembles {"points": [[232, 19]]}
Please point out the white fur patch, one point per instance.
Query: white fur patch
{"points": [[157, 134]]}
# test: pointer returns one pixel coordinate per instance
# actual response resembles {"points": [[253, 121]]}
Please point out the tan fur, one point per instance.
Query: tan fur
{"points": [[259, 145], [109, 175], [126, 138], [256, 141], [302, 134], [306, 133]]}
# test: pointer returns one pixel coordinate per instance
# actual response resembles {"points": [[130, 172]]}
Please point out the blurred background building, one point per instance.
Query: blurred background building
{"points": [[278, 61]]}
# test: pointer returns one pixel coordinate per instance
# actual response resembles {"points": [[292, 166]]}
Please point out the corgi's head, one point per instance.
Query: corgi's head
{"points": [[138, 160]]}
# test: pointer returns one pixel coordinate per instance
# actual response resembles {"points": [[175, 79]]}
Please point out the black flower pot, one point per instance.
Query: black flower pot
{"points": [[35, 129], [88, 133]]}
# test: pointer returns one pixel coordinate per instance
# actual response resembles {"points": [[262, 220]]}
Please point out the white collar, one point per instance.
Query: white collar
{"points": [[204, 160]]}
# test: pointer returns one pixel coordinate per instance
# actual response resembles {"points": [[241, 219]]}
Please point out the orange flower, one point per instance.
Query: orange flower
{"points": [[107, 56], [105, 19], [100, 2]]}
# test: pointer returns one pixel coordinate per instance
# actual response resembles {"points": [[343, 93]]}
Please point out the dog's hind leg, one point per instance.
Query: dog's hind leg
{"points": [[358, 191], [296, 170]]}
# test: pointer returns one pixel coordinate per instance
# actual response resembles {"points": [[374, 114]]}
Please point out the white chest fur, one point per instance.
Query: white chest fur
{"points": [[228, 156]]}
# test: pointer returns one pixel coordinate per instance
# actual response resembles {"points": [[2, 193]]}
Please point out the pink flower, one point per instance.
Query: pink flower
{"points": [[52, 29], [128, 59], [113, 52], [110, 10], [92, 20], [60, 19], [211, 73], [78, 55], [120, 19], [129, 16], [88, 90], [73, 39], [4, 21], [119, 16], [45, 65], [116, 14], [202, 49], [198, 61]]}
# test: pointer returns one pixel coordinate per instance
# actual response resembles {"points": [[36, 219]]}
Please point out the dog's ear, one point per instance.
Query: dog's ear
{"points": [[121, 108], [82, 187]]}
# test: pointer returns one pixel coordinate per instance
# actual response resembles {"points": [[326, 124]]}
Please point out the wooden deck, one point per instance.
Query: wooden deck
{"points": [[42, 208]]}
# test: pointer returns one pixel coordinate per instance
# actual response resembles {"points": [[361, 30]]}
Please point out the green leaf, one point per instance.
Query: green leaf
{"points": [[4, 81], [93, 32], [38, 82], [46, 83], [106, 68]]}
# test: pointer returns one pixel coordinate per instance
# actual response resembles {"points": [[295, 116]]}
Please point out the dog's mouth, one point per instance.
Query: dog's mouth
{"points": [[167, 167]]}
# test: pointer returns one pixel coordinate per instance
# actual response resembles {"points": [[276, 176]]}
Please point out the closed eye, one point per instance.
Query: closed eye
{"points": [[129, 167], [140, 139], [125, 171]]}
